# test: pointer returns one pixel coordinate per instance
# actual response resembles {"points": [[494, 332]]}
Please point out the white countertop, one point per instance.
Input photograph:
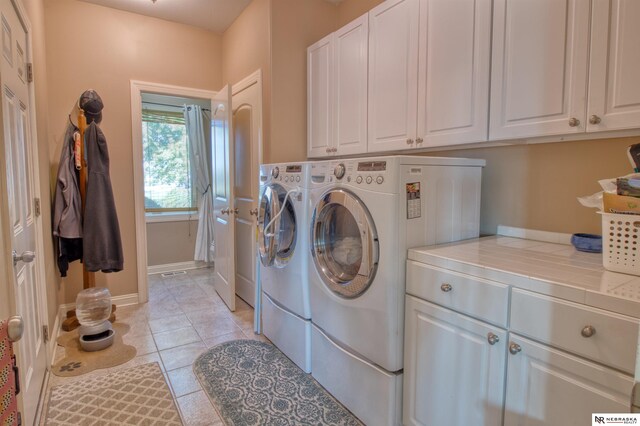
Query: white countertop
{"points": [[557, 270]]}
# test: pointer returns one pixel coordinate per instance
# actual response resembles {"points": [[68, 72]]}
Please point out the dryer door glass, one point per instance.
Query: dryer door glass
{"points": [[344, 243], [266, 237], [286, 237]]}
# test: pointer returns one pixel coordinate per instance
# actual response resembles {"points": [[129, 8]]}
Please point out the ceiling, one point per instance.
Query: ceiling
{"points": [[213, 15]]}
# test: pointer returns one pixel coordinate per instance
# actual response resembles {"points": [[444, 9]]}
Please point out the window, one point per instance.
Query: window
{"points": [[167, 164]]}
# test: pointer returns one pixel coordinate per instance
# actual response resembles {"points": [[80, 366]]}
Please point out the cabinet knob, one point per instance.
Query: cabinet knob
{"points": [[594, 119], [409, 141], [327, 150], [574, 122], [588, 331], [446, 287], [514, 348], [492, 338], [334, 149], [253, 212], [224, 211], [235, 211], [419, 140]]}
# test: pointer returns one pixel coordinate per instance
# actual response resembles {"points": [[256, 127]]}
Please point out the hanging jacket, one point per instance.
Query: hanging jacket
{"points": [[102, 243], [67, 207]]}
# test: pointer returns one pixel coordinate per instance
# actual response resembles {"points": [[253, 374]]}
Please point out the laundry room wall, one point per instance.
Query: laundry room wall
{"points": [[246, 47], [295, 25], [90, 46]]}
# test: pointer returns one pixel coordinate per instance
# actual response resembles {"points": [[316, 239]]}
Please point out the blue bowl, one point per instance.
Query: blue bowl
{"points": [[589, 243]]}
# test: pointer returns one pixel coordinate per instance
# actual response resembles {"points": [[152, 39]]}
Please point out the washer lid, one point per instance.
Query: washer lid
{"points": [[344, 243]]}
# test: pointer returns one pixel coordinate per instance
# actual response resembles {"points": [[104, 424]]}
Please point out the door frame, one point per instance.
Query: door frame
{"points": [[6, 264], [137, 88]]}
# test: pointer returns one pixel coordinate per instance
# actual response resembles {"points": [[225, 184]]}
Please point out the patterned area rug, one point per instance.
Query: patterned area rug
{"points": [[253, 383], [135, 396]]}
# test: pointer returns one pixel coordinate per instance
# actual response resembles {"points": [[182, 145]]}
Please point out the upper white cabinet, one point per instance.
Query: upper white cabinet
{"points": [[539, 67], [614, 92], [453, 77], [350, 87], [337, 92], [393, 75], [319, 98]]}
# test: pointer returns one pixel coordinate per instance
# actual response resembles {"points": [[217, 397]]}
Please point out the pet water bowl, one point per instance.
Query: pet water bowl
{"points": [[96, 337], [589, 243]]}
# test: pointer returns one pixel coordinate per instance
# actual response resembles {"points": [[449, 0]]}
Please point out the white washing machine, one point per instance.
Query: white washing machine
{"points": [[361, 227], [284, 254]]}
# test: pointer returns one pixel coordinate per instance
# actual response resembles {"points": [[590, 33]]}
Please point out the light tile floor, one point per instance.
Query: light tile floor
{"points": [[183, 318]]}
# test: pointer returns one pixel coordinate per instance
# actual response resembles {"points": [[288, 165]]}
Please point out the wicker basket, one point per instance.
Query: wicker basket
{"points": [[621, 243]]}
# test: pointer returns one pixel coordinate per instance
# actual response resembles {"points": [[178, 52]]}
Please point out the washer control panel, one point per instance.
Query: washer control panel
{"points": [[364, 174]]}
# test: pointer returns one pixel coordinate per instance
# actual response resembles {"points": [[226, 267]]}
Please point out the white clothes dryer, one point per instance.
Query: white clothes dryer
{"points": [[361, 227], [284, 252]]}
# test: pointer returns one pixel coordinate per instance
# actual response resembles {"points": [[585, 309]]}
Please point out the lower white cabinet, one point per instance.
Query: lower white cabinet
{"points": [[454, 368], [546, 386]]}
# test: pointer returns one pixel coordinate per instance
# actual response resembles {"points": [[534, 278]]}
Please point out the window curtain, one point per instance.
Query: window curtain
{"points": [[194, 123]]}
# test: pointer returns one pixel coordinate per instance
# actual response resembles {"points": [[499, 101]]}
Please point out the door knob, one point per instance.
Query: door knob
{"points": [[253, 212], [594, 119], [574, 122], [15, 328], [26, 257]]}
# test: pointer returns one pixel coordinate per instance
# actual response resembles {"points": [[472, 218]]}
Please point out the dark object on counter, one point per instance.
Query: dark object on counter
{"points": [[589, 243]]}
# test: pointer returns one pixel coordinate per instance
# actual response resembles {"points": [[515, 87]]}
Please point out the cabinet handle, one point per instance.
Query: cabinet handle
{"points": [[419, 140], [514, 348], [588, 331], [492, 338], [574, 122], [446, 287], [409, 141], [594, 119]]}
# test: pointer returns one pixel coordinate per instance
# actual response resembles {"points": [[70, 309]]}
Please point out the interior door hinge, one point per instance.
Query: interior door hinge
{"points": [[45, 333], [29, 72], [36, 206]]}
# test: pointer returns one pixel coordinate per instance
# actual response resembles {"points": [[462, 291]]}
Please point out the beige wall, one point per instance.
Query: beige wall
{"points": [[171, 242], [90, 46], [295, 25], [349, 10], [246, 47], [535, 186]]}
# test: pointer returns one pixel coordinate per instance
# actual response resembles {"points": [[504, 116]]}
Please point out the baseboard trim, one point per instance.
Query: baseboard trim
{"points": [[171, 267], [119, 301]]}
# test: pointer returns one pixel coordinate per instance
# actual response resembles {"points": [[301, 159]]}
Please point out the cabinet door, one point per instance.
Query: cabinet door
{"points": [[453, 76], [614, 92], [539, 67], [550, 387], [350, 54], [393, 75], [452, 374], [319, 97]]}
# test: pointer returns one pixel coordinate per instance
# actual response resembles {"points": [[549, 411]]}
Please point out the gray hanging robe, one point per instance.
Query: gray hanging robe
{"points": [[102, 243]]}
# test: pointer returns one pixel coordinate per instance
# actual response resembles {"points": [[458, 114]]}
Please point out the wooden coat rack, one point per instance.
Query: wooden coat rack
{"points": [[88, 277]]}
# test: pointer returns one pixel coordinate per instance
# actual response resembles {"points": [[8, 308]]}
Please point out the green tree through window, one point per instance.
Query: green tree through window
{"points": [[167, 166]]}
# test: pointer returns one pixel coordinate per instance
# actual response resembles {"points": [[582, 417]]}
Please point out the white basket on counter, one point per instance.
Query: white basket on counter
{"points": [[621, 243]]}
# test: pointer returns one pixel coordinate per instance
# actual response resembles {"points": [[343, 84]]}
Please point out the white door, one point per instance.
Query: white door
{"points": [[614, 92], [247, 118], [453, 77], [350, 44], [539, 67], [319, 98], [20, 193], [546, 386], [454, 368], [223, 207], [393, 75]]}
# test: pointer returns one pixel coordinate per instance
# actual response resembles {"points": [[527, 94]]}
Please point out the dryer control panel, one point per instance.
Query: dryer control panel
{"points": [[365, 174]]}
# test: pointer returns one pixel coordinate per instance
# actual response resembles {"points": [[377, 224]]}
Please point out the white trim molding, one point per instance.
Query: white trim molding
{"points": [[173, 267], [137, 88]]}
